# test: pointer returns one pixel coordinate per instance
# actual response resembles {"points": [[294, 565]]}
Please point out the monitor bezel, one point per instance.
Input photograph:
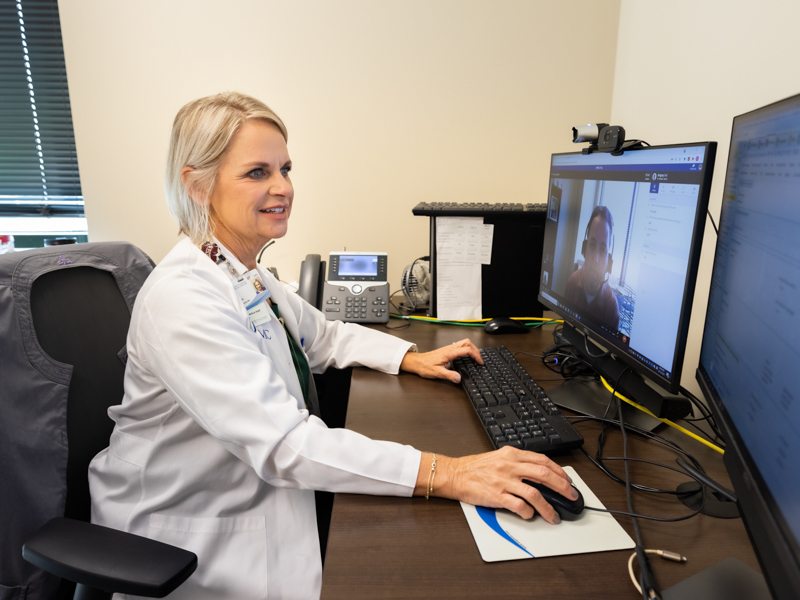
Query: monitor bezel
{"points": [[672, 384]]}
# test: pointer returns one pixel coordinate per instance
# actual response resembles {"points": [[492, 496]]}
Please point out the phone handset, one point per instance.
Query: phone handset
{"points": [[312, 278]]}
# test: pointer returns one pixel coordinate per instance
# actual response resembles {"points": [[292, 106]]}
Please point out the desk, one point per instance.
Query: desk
{"points": [[381, 547]]}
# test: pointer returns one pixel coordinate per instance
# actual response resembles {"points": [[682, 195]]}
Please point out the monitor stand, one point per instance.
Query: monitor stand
{"points": [[729, 579], [590, 397], [631, 385]]}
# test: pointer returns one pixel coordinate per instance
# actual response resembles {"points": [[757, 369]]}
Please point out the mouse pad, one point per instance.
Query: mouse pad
{"points": [[503, 535]]}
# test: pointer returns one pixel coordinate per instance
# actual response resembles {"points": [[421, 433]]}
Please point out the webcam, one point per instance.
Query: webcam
{"points": [[602, 137]]}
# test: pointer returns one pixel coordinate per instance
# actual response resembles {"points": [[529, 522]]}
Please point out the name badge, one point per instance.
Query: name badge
{"points": [[254, 294]]}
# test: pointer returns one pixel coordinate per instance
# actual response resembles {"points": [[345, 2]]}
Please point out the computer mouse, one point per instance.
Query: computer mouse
{"points": [[567, 509], [505, 325]]}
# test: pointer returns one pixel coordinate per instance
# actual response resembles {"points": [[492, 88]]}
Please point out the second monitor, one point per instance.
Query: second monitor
{"points": [[621, 250]]}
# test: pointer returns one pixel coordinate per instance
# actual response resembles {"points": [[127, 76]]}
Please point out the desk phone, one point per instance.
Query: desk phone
{"points": [[356, 289]]}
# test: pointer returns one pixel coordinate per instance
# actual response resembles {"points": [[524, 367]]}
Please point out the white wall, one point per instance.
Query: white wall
{"points": [[684, 69], [387, 104]]}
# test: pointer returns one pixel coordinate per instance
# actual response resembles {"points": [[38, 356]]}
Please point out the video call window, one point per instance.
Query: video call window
{"points": [[618, 242]]}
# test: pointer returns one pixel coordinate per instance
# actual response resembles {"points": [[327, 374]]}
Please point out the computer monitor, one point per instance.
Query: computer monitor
{"points": [[750, 353], [621, 249]]}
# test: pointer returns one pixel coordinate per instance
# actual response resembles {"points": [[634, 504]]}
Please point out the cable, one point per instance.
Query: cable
{"points": [[397, 307], [644, 433], [538, 322], [639, 487], [544, 320], [428, 320], [645, 517], [258, 259], [713, 440], [667, 421], [665, 554], [588, 352], [408, 280], [704, 479], [649, 587], [707, 415], [710, 218]]}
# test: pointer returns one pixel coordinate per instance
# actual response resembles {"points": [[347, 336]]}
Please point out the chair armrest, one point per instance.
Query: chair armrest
{"points": [[108, 559]]}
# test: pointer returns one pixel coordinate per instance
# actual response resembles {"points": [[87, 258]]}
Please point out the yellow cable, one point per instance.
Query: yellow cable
{"points": [[667, 421], [434, 319]]}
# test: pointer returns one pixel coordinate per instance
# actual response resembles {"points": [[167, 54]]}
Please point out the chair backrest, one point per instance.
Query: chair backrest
{"points": [[89, 337], [64, 316]]}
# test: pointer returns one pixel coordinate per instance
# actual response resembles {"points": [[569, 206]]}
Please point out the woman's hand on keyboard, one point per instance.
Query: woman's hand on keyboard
{"points": [[433, 364], [495, 479]]}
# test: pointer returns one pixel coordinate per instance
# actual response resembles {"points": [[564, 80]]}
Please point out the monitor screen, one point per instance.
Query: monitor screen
{"points": [[358, 265], [751, 342], [621, 248]]}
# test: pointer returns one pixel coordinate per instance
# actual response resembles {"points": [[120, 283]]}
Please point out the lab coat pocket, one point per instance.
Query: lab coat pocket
{"points": [[231, 554]]}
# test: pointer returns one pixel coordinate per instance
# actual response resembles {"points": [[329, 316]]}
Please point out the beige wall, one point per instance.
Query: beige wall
{"points": [[684, 69], [387, 103]]}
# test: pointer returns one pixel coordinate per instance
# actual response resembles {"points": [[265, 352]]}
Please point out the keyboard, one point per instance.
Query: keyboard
{"points": [[513, 409], [466, 209]]}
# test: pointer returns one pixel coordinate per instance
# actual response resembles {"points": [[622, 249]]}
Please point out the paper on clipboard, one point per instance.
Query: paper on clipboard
{"points": [[463, 244], [502, 535]]}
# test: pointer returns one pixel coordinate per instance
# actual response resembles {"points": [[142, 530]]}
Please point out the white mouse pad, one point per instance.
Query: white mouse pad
{"points": [[503, 535]]}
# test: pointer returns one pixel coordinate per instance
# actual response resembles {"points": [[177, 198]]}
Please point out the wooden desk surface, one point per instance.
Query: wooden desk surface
{"points": [[381, 547]]}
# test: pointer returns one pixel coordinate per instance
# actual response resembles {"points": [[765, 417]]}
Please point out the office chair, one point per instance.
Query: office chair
{"points": [[64, 316]]}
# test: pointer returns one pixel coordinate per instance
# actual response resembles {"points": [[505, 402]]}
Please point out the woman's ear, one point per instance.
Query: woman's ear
{"points": [[188, 177]]}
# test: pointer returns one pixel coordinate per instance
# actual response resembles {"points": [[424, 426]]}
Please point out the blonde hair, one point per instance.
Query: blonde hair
{"points": [[201, 134]]}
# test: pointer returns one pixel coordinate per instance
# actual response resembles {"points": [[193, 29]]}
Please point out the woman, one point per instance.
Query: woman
{"points": [[216, 448]]}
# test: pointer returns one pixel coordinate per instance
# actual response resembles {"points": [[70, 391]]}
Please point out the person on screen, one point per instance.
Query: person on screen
{"points": [[587, 288]]}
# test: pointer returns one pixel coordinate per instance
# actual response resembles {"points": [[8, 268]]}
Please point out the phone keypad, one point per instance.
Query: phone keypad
{"points": [[370, 306]]}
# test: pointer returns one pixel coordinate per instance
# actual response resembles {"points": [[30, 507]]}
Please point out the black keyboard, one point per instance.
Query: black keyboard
{"points": [[466, 209], [514, 410]]}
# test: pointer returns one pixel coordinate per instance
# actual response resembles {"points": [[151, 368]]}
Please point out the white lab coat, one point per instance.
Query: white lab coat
{"points": [[213, 450]]}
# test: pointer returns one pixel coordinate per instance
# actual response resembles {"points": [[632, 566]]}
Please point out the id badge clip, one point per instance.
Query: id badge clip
{"points": [[254, 294]]}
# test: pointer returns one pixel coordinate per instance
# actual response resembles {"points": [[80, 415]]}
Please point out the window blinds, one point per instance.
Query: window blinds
{"points": [[40, 189]]}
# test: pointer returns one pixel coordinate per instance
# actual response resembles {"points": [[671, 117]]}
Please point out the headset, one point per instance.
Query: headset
{"points": [[606, 214]]}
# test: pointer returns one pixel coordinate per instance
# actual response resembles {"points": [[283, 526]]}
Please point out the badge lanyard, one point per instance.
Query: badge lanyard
{"points": [[249, 287], [254, 295]]}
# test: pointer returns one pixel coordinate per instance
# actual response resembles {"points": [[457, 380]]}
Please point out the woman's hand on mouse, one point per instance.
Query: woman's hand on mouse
{"points": [[433, 364], [494, 480]]}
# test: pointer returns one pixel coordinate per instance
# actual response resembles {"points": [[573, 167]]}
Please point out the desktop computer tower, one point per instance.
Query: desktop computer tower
{"points": [[510, 284]]}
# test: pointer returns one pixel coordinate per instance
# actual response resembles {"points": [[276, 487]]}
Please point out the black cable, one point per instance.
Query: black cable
{"points": [[258, 260], [397, 307], [408, 280], [547, 355], [707, 415], [646, 578], [711, 438], [571, 365], [714, 225], [588, 352], [644, 433], [601, 439], [651, 436], [637, 486], [705, 480], [647, 517]]}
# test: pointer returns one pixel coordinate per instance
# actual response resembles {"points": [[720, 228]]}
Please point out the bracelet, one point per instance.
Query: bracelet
{"points": [[431, 475]]}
